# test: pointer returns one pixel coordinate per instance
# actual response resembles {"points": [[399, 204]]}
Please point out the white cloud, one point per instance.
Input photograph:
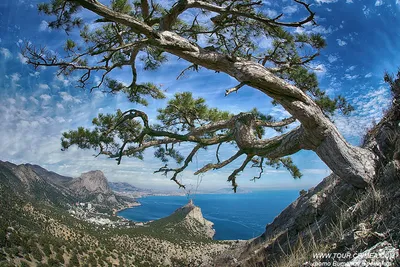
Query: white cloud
{"points": [[60, 119], [61, 78], [60, 106], [22, 59], [265, 43], [15, 77], [66, 97], [368, 108], [34, 74], [299, 30], [379, 2], [321, 29], [309, 28], [271, 13], [319, 69], [349, 1], [341, 42], [43, 86], [369, 75], [325, 1], [45, 97], [69, 98], [5, 52], [12, 101], [288, 10], [34, 100], [350, 77], [44, 26], [332, 58], [351, 68], [366, 11]]}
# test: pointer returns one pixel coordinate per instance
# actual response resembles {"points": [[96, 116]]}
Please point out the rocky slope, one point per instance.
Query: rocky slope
{"points": [[194, 220], [90, 183], [93, 187], [49, 175], [23, 180], [335, 217], [35, 232], [38, 183]]}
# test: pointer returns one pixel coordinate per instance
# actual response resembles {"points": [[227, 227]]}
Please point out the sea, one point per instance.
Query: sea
{"points": [[235, 216]]}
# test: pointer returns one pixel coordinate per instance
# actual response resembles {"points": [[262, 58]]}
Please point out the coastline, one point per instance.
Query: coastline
{"points": [[229, 212], [128, 206]]}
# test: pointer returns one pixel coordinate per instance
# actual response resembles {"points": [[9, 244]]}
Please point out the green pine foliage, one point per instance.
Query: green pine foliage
{"points": [[110, 47], [183, 113]]}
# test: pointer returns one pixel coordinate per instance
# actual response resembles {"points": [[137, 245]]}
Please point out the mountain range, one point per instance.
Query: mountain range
{"points": [[38, 183], [43, 222]]}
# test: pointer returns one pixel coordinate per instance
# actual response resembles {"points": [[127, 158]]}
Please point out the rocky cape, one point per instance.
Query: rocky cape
{"points": [[39, 224], [194, 220]]}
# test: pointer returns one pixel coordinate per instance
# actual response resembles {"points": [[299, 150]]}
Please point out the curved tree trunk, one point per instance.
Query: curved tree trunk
{"points": [[353, 164]]}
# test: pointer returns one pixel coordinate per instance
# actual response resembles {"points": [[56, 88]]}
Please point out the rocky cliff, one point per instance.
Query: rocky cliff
{"points": [[335, 217], [92, 182], [186, 222], [49, 175], [23, 180], [93, 187], [195, 221], [38, 183]]}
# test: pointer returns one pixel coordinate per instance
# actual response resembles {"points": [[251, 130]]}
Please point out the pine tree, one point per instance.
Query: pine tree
{"points": [[230, 32]]}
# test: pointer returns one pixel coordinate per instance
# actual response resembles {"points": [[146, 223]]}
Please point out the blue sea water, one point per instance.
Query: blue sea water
{"points": [[235, 216]]}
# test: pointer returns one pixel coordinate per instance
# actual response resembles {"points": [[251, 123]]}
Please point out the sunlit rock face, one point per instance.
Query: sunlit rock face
{"points": [[195, 221], [91, 182]]}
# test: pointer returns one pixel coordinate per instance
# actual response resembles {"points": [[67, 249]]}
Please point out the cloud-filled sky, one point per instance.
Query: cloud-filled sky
{"points": [[36, 106]]}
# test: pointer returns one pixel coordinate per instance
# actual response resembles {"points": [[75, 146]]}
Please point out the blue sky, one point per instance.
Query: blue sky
{"points": [[36, 106]]}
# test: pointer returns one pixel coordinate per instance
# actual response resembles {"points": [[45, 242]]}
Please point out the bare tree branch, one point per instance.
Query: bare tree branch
{"points": [[271, 22], [212, 166], [235, 88], [193, 67], [232, 177], [176, 171], [258, 164]]}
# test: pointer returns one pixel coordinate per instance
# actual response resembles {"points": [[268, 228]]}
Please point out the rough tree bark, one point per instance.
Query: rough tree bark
{"points": [[317, 132]]}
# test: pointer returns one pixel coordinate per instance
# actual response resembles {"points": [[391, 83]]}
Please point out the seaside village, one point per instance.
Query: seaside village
{"points": [[86, 211]]}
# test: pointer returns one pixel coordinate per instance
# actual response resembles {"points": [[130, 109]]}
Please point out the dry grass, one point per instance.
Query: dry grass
{"points": [[316, 242]]}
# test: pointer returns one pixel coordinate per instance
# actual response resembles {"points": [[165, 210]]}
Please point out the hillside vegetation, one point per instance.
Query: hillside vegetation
{"points": [[37, 230]]}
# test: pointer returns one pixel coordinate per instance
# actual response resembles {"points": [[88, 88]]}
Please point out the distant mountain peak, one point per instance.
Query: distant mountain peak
{"points": [[92, 182]]}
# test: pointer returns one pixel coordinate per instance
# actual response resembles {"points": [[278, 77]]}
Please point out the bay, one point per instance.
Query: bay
{"points": [[235, 216]]}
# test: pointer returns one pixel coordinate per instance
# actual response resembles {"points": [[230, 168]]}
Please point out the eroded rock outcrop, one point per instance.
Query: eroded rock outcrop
{"points": [[91, 182], [195, 221]]}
